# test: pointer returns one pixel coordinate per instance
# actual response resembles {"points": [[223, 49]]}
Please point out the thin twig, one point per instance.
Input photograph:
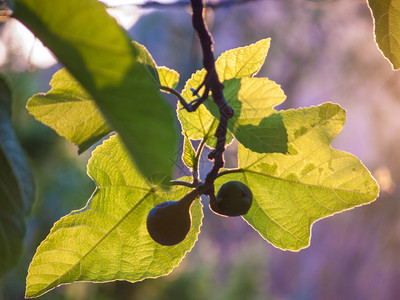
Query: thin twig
{"points": [[230, 171], [179, 3], [182, 101], [193, 105], [183, 183]]}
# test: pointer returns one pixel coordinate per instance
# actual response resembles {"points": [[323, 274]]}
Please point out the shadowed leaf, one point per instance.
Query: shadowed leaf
{"points": [[117, 73], [255, 124], [16, 187]]}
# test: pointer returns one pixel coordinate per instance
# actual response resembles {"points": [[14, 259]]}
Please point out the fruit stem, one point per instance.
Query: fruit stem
{"points": [[184, 183], [204, 188], [230, 171]]}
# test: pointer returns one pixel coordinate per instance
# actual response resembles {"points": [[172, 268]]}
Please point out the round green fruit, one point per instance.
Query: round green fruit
{"points": [[169, 222], [233, 199]]}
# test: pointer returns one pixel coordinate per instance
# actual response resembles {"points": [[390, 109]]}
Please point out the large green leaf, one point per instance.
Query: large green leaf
{"points": [[100, 55], [291, 192], [387, 28], [255, 124], [16, 186], [108, 239], [70, 111]]}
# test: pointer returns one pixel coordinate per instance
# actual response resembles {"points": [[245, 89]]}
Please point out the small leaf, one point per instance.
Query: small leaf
{"points": [[243, 61], [70, 111], [16, 187], [115, 71], [192, 122], [387, 28], [199, 124], [236, 63], [107, 239], [188, 155], [168, 77], [291, 192]]}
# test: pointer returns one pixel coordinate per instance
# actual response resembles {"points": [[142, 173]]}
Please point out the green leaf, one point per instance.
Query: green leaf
{"points": [[168, 77], [387, 28], [112, 69], [191, 122], [199, 124], [107, 239], [243, 61], [70, 111], [188, 155], [16, 187], [255, 124], [236, 63], [291, 192]]}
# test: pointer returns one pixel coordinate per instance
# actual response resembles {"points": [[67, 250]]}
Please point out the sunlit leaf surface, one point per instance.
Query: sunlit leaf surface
{"points": [[168, 77], [235, 68], [108, 239], [188, 155], [313, 181], [242, 61], [70, 111], [234, 63]]}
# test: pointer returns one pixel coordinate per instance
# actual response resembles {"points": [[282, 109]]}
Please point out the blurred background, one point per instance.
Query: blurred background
{"points": [[321, 50]]}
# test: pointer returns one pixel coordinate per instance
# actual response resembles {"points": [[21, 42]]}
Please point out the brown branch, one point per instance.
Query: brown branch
{"points": [[181, 3], [212, 82]]}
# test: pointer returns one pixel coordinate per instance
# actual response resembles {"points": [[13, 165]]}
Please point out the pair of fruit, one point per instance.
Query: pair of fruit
{"points": [[169, 222]]}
